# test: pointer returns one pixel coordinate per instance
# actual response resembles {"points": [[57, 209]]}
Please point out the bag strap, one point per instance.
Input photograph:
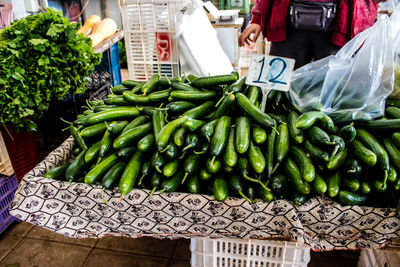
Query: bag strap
{"points": [[352, 46]]}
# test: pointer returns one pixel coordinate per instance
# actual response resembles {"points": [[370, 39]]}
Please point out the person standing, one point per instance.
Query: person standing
{"points": [[308, 30]]}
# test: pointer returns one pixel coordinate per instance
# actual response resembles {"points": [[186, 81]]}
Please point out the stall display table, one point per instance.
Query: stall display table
{"points": [[77, 210]]}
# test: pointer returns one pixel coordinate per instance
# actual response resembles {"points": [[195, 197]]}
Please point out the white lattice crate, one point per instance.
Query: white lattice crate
{"points": [[150, 29], [5, 162], [247, 253]]}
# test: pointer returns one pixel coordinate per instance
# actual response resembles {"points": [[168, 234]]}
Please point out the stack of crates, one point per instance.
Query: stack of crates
{"points": [[150, 29]]}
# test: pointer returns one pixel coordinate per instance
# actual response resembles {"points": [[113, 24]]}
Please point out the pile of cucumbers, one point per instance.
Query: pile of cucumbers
{"points": [[208, 135]]}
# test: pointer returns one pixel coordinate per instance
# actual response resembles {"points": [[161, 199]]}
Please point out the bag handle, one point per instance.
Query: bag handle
{"points": [[352, 46]]}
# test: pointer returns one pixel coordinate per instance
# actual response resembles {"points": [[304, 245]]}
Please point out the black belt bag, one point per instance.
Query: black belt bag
{"points": [[313, 16]]}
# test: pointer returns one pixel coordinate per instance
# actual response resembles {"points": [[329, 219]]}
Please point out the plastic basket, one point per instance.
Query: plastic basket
{"points": [[247, 252], [22, 150], [150, 29], [8, 186]]}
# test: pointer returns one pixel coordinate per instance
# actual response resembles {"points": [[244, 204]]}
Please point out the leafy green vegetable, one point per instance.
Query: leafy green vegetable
{"points": [[41, 58]]}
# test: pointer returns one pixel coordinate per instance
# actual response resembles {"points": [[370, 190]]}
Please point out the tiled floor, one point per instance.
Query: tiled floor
{"points": [[23, 244]]}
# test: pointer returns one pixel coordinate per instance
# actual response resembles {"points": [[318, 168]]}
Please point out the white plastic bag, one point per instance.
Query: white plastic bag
{"points": [[395, 19], [354, 83]]}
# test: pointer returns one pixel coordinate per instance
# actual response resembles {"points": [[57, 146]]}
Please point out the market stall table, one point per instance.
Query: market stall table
{"points": [[77, 210]]}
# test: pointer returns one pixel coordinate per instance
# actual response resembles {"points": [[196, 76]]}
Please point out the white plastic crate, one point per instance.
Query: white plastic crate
{"points": [[247, 253], [150, 29], [378, 258]]}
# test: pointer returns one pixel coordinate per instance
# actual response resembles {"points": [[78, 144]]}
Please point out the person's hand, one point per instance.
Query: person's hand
{"points": [[245, 37]]}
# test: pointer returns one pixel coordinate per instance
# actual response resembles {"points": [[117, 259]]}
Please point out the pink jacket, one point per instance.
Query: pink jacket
{"points": [[353, 17]]}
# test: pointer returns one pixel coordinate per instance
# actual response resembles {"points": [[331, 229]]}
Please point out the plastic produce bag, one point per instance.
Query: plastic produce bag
{"points": [[395, 19], [354, 83]]}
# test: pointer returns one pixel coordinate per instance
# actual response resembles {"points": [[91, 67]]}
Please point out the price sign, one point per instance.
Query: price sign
{"points": [[270, 73]]}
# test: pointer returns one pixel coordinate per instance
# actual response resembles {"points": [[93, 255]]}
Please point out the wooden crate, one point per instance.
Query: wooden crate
{"points": [[5, 162]]}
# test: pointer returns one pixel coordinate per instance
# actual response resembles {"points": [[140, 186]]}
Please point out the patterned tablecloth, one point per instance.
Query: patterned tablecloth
{"points": [[77, 210]]}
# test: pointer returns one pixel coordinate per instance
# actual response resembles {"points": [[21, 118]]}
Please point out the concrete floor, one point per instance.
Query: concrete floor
{"points": [[23, 244]]}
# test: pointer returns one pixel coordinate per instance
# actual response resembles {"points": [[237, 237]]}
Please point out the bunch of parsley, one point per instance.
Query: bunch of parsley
{"points": [[41, 59]]}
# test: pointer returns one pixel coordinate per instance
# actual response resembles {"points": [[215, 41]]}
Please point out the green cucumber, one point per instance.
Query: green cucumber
{"points": [[200, 111], [328, 125], [171, 168], [150, 85], [192, 124], [213, 167], [193, 96], [136, 122], [305, 163], [220, 137], [76, 168], [190, 165], [106, 144], [129, 137], [157, 161], [179, 137], [299, 199], [282, 143], [365, 188], [171, 151], [204, 174], [172, 183], [351, 184], [57, 173], [319, 185], [104, 165], [112, 176], [224, 107], [191, 141], [93, 130], [252, 95], [112, 114], [77, 137], [316, 152], [116, 127], [158, 120], [279, 183], [92, 152], [177, 107], [256, 158], [318, 137], [308, 119], [146, 143], [131, 83], [220, 189], [256, 114], [382, 157], [192, 184], [270, 153], [183, 86], [242, 135], [131, 172], [348, 133], [392, 150], [336, 161], [333, 184], [167, 131], [259, 135], [230, 155], [293, 173], [350, 198], [126, 152], [362, 153], [207, 130], [353, 168], [212, 81], [392, 112], [396, 139]]}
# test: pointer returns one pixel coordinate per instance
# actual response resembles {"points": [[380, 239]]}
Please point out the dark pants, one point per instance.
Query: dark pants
{"points": [[304, 46]]}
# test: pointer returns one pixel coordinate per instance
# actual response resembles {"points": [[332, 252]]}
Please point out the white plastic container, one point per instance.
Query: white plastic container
{"points": [[150, 29], [247, 253]]}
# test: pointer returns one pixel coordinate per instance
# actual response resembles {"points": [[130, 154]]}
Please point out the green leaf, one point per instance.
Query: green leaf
{"points": [[38, 41], [43, 60], [54, 29]]}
